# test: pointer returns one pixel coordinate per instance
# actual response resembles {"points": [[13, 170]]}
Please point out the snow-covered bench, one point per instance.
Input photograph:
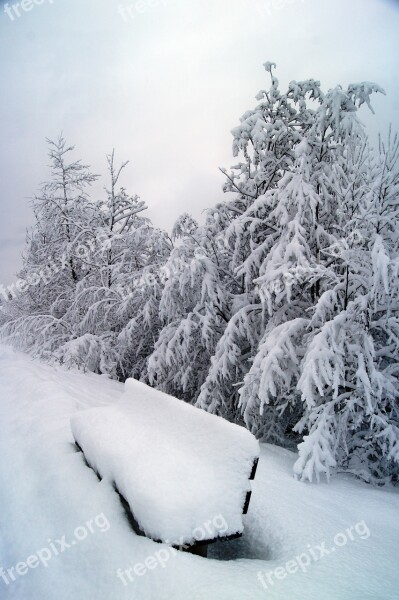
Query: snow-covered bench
{"points": [[176, 467]]}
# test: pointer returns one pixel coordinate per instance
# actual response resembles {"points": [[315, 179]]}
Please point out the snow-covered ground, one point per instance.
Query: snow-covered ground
{"points": [[337, 541]]}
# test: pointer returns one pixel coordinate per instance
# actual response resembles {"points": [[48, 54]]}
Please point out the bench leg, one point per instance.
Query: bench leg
{"points": [[198, 550]]}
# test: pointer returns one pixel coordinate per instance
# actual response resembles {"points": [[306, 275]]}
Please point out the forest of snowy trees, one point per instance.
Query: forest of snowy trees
{"points": [[279, 312]]}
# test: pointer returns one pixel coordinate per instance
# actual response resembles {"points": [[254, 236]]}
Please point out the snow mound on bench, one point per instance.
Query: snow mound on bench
{"points": [[177, 466]]}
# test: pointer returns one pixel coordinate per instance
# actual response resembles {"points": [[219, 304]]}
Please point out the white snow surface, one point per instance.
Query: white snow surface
{"points": [[177, 466], [46, 492]]}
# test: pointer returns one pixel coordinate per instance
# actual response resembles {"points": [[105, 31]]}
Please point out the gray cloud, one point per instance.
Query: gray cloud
{"points": [[166, 86]]}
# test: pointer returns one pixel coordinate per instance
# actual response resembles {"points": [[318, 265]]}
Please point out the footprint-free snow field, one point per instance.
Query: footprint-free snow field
{"points": [[64, 535]]}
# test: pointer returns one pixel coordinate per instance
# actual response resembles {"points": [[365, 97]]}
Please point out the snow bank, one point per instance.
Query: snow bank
{"points": [[46, 492], [177, 466]]}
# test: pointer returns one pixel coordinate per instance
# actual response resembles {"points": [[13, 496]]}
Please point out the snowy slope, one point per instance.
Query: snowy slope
{"points": [[46, 493]]}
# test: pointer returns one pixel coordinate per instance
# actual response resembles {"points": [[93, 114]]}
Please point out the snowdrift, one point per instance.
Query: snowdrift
{"points": [[46, 493]]}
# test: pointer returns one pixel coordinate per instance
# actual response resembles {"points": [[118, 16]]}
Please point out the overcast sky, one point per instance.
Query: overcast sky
{"points": [[164, 83]]}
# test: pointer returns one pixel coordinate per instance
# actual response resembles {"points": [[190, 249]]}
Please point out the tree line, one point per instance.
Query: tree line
{"points": [[279, 312]]}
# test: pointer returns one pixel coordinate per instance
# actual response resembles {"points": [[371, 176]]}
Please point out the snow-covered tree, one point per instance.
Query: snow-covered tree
{"points": [[302, 355], [109, 302], [51, 267], [106, 247], [349, 379], [268, 139], [194, 307]]}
